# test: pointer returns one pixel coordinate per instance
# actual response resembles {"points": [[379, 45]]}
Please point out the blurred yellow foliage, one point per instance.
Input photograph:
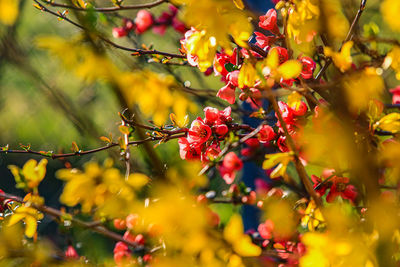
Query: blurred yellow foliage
{"points": [[390, 10], [105, 189], [155, 94], [341, 59], [362, 87], [8, 11]]}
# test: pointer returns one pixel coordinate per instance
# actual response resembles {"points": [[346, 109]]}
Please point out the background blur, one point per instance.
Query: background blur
{"points": [[45, 105]]}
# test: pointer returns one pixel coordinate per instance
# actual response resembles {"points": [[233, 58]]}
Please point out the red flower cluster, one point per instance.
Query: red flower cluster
{"points": [[292, 117], [145, 20], [203, 137], [337, 186], [230, 165]]}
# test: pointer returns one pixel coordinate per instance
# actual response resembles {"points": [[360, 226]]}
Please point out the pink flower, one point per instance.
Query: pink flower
{"points": [[265, 229], [143, 21], [199, 132], [230, 165], [308, 67], [119, 32], [187, 150], [268, 21], [264, 41], [266, 134], [227, 93], [71, 253]]}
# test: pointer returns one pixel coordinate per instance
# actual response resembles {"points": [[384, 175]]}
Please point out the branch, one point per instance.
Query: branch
{"points": [[135, 50], [80, 153], [348, 38], [299, 166], [59, 215], [105, 9]]}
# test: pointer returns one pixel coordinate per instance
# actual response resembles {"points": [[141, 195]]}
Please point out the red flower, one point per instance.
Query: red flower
{"points": [[286, 112], [227, 93], [396, 95], [199, 132], [319, 186], [188, 150], [268, 21], [71, 253], [143, 21], [232, 77], [282, 54], [225, 115], [308, 67], [121, 253], [265, 229], [220, 129], [221, 59], [211, 153], [266, 134], [211, 115], [264, 41], [119, 32], [299, 109], [230, 165], [340, 187]]}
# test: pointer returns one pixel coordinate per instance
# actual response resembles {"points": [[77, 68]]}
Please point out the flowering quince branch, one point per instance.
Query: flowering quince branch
{"points": [[231, 146], [81, 153], [105, 9], [136, 51], [299, 166]]}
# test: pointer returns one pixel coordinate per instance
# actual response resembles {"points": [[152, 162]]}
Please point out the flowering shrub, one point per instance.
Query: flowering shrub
{"points": [[308, 99]]}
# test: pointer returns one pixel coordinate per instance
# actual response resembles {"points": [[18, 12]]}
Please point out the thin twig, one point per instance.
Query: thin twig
{"points": [[94, 226], [81, 153], [348, 38], [105, 9], [135, 50]]}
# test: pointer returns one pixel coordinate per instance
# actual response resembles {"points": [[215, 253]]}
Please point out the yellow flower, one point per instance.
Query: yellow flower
{"points": [[393, 60], [102, 187], [29, 216], [241, 243], [31, 174], [312, 216], [390, 123], [280, 159], [341, 59]]}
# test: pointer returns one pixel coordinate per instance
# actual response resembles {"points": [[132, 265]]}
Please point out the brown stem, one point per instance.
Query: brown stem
{"points": [[299, 166], [106, 9]]}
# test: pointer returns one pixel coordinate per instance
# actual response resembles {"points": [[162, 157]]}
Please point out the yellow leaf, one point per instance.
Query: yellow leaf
{"points": [[75, 147], [390, 123], [239, 4], [290, 69]]}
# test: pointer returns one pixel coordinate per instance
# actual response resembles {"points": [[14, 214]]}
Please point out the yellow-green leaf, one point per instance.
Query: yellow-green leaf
{"points": [[74, 147], [390, 123], [124, 129], [239, 4]]}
